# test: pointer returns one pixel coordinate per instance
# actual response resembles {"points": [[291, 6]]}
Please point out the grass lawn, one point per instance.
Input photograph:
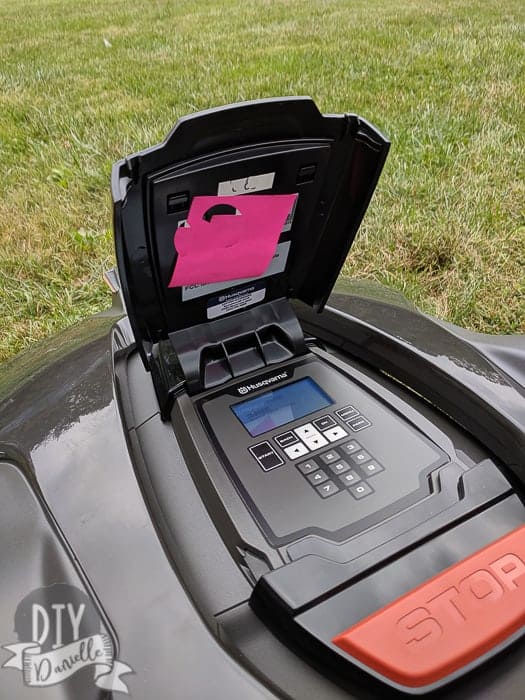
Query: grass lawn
{"points": [[84, 83]]}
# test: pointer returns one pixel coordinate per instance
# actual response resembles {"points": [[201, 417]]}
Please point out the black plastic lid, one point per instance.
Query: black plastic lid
{"points": [[271, 146]]}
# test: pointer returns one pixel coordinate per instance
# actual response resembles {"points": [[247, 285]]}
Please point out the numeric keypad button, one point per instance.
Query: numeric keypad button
{"points": [[350, 478], [317, 477], [329, 457], [327, 489], [350, 447], [339, 467], [308, 467], [360, 457], [361, 490], [372, 468]]}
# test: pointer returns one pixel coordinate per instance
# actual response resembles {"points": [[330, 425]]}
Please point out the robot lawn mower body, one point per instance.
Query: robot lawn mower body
{"points": [[251, 483]]}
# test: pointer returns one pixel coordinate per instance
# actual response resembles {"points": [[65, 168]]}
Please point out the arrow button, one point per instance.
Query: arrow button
{"points": [[315, 441]]}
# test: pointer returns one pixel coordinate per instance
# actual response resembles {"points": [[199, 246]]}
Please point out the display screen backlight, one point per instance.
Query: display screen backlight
{"points": [[280, 406]]}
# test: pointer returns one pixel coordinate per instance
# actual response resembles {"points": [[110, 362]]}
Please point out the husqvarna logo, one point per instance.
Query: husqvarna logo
{"points": [[461, 603], [247, 388]]}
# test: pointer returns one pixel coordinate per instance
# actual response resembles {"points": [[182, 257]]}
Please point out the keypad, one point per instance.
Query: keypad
{"points": [[314, 436], [308, 437], [346, 467]]}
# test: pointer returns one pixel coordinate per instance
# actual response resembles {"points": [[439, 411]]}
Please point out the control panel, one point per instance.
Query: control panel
{"points": [[316, 452], [310, 437]]}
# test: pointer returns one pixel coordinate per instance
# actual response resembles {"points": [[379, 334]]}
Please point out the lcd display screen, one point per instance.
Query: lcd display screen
{"points": [[281, 406]]}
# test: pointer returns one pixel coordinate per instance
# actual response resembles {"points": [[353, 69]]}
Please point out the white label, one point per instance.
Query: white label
{"points": [[193, 291], [235, 301], [289, 219], [247, 185]]}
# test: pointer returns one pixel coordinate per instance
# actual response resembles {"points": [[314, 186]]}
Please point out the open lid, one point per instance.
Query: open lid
{"points": [[309, 174]]}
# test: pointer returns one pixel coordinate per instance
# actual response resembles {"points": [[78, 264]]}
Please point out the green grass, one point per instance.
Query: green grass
{"points": [[445, 80]]}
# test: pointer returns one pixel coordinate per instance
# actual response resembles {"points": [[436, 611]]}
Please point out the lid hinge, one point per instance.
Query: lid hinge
{"points": [[210, 354], [167, 376]]}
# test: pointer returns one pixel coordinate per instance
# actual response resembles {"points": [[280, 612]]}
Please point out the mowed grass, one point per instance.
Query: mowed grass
{"points": [[84, 83]]}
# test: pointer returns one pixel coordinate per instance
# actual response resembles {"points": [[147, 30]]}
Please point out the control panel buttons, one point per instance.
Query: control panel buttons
{"points": [[350, 478], [339, 467], [372, 468], [361, 490], [334, 434], [360, 457], [308, 467], [286, 439], [324, 423], [315, 442], [306, 431], [351, 447], [358, 423], [322, 469], [329, 457], [296, 451], [341, 460], [317, 477], [347, 412], [327, 489], [266, 456]]}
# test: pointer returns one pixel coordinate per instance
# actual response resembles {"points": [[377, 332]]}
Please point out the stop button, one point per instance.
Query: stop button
{"points": [[448, 621]]}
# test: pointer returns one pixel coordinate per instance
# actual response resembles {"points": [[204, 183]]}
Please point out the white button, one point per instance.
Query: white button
{"points": [[315, 442], [334, 434], [296, 451], [305, 431]]}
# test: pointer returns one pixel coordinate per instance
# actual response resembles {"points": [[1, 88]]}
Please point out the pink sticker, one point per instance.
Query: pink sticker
{"points": [[229, 238]]}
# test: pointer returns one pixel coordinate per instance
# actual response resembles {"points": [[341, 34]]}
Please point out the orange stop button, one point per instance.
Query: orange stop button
{"points": [[448, 621]]}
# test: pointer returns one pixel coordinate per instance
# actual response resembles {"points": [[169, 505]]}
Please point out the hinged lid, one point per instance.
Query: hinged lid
{"points": [[281, 146]]}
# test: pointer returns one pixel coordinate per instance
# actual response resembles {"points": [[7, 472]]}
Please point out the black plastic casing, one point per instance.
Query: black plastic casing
{"points": [[121, 491], [307, 584]]}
